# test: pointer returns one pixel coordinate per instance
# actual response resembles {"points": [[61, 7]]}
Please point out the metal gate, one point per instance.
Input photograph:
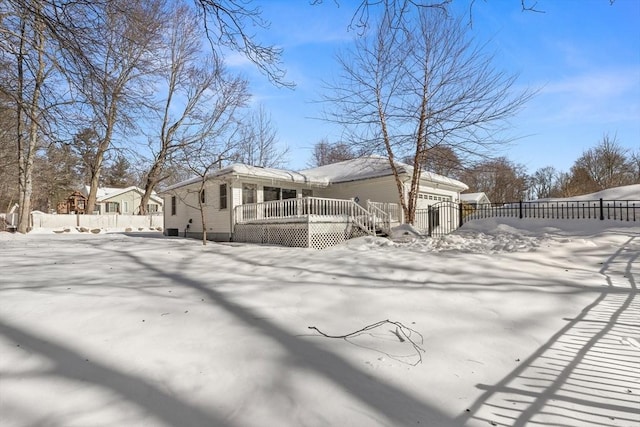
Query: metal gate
{"points": [[438, 219]]}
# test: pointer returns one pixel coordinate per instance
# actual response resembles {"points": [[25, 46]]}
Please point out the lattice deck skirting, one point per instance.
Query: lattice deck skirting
{"points": [[317, 235]]}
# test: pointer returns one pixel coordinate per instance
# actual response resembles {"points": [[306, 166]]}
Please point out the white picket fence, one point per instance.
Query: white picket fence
{"points": [[54, 221]]}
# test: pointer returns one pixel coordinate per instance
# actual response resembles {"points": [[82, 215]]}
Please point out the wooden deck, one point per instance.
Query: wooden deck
{"points": [[311, 221]]}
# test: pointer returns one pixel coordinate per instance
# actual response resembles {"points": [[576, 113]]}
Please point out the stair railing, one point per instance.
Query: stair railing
{"points": [[383, 218], [363, 219]]}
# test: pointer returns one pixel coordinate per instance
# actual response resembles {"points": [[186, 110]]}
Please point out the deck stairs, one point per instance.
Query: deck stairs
{"points": [[372, 220]]}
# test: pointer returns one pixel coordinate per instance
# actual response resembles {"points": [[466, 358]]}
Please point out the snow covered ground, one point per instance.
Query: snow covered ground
{"points": [[522, 322]]}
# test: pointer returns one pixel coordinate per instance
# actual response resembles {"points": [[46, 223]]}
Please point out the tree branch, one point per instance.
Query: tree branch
{"points": [[403, 333]]}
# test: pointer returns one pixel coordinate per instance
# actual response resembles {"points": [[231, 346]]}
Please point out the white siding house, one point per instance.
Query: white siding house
{"points": [[311, 208], [123, 201]]}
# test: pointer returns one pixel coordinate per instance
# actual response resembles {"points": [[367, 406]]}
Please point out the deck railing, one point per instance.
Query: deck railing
{"points": [[380, 218], [391, 209], [370, 220], [293, 208]]}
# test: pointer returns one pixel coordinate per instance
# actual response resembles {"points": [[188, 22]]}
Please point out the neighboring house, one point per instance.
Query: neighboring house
{"points": [[310, 208], [474, 199], [124, 201], [74, 204]]}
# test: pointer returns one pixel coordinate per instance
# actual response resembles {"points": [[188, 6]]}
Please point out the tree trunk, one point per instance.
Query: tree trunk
{"points": [[26, 154], [392, 161], [152, 179], [100, 152], [420, 151], [202, 212]]}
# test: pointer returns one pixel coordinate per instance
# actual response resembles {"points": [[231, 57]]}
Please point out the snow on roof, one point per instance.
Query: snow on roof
{"points": [[249, 171], [345, 171], [104, 193], [260, 172], [351, 170], [472, 197], [372, 167]]}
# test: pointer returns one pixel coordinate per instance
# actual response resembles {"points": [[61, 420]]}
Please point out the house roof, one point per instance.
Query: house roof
{"points": [[345, 171], [105, 193], [250, 171], [77, 193], [472, 197], [373, 167]]}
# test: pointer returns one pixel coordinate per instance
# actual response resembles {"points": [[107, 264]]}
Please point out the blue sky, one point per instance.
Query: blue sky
{"points": [[582, 55]]}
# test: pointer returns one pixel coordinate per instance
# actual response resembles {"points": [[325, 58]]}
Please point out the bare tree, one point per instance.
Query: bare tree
{"points": [[113, 84], [228, 24], [190, 78], [542, 182], [35, 37], [500, 179], [441, 160], [414, 84], [216, 141], [24, 41], [580, 182], [258, 141], [635, 165], [8, 156], [325, 153], [363, 9], [231, 24], [607, 165], [563, 186]]}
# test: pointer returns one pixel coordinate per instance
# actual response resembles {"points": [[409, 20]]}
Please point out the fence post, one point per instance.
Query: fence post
{"points": [[601, 210], [520, 209], [429, 215], [460, 220]]}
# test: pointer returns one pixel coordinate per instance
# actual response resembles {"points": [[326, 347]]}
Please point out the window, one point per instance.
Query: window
{"points": [[307, 193], [125, 207], [271, 193], [223, 196], [288, 194], [203, 198], [173, 205], [249, 192], [152, 208], [277, 193], [111, 207]]}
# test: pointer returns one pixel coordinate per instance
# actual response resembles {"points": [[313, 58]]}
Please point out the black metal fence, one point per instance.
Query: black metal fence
{"points": [[617, 210], [438, 219]]}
